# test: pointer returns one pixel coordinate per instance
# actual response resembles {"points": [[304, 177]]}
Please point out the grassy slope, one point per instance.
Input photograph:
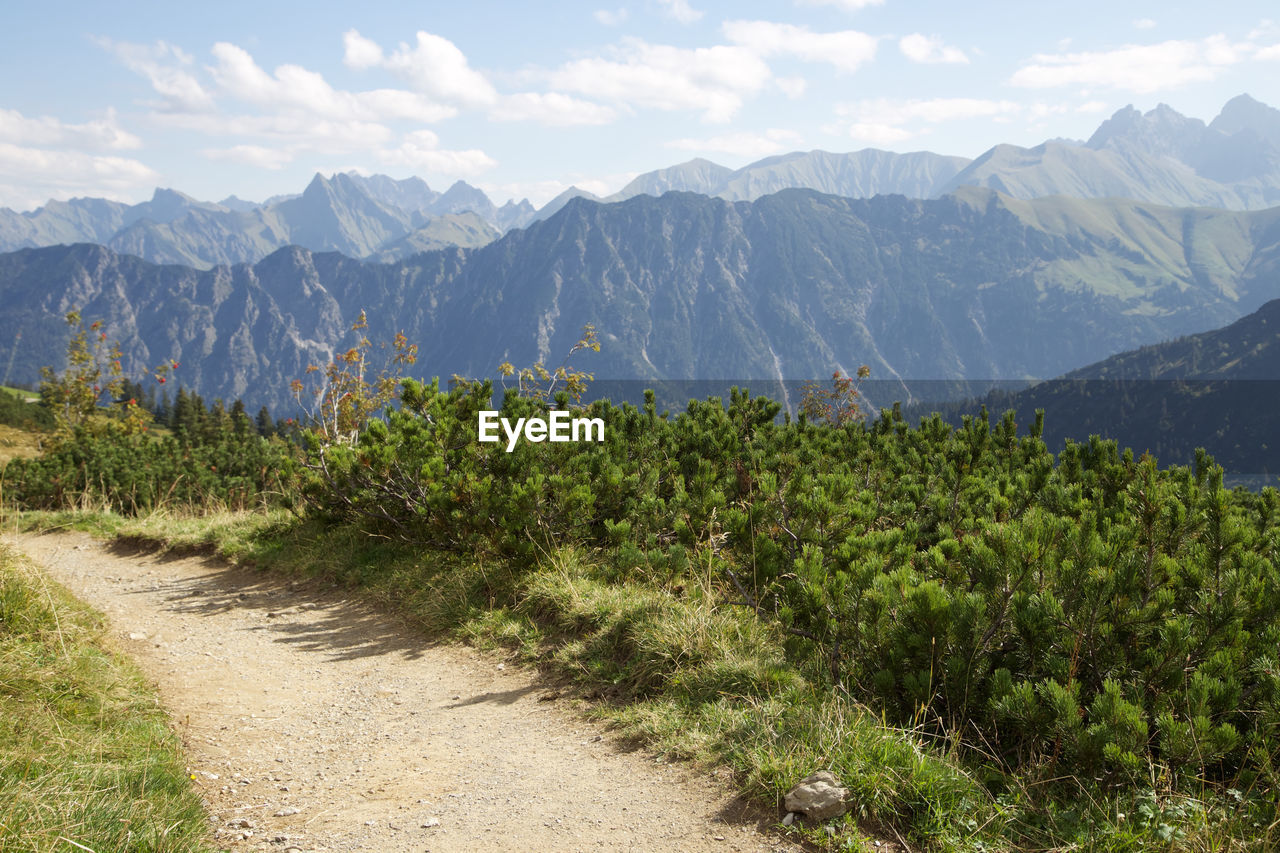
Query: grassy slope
{"points": [[16, 443], [87, 758], [19, 435], [1119, 245]]}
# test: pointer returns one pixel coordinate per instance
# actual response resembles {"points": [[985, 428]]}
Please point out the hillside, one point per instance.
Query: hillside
{"points": [[972, 286], [1215, 390]]}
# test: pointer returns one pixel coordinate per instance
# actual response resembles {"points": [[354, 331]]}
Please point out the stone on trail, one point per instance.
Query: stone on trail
{"points": [[820, 796]]}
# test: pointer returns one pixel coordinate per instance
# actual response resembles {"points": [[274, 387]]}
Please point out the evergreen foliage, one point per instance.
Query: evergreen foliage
{"points": [[1092, 616], [1089, 621], [107, 456], [219, 461], [16, 412]]}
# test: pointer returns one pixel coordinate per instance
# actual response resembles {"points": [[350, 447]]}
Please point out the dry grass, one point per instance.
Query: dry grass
{"points": [[18, 444]]}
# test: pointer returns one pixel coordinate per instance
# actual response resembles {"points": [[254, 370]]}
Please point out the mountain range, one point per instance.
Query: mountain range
{"points": [[1161, 157], [972, 286], [359, 216]]}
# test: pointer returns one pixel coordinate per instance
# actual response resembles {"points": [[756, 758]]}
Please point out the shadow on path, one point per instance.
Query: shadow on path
{"points": [[334, 624]]}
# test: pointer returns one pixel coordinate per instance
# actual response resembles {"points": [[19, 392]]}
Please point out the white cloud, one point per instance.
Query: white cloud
{"points": [[293, 87], [420, 150], [883, 121], [610, 17], [1266, 29], [298, 130], [31, 176], [164, 65], [1144, 24], [680, 10], [1040, 110], [745, 144], [360, 52], [253, 155], [712, 80], [878, 134], [847, 50], [931, 111], [436, 67], [1136, 68], [104, 134], [929, 49], [551, 108], [792, 87], [389, 104], [44, 157], [847, 5]]}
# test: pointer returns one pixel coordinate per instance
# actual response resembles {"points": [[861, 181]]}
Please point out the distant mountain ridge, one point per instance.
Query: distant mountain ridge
{"points": [[1160, 157], [359, 216], [793, 285], [860, 174]]}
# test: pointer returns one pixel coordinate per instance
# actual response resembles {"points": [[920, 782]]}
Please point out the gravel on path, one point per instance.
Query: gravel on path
{"points": [[313, 723]]}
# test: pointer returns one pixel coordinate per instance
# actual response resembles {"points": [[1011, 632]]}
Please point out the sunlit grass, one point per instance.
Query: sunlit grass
{"points": [[18, 444], [87, 758]]}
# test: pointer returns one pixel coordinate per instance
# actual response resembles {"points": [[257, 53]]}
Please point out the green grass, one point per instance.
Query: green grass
{"points": [[23, 422], [87, 758], [18, 392]]}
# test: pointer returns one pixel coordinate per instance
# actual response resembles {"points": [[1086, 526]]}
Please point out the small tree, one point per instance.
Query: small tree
{"points": [[265, 425], [345, 398], [540, 383], [94, 370], [837, 405]]}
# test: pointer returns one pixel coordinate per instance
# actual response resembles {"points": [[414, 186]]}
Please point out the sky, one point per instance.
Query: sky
{"points": [[524, 100]]}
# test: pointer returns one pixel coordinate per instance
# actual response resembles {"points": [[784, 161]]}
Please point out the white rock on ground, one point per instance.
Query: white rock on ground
{"points": [[820, 796]]}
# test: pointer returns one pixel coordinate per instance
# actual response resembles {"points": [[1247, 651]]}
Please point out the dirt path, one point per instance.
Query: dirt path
{"points": [[312, 723]]}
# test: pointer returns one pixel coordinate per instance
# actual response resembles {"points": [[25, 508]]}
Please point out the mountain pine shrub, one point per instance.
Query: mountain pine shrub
{"points": [[104, 453], [1091, 615]]}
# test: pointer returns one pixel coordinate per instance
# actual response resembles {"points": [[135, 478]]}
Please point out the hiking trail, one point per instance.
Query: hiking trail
{"points": [[313, 723]]}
